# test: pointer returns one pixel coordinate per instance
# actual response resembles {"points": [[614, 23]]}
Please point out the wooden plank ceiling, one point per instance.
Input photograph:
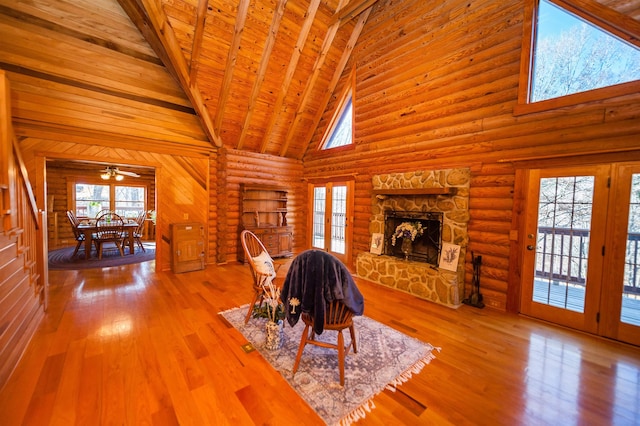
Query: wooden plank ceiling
{"points": [[253, 75]]}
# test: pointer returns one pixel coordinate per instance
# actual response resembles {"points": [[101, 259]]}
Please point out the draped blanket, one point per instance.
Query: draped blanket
{"points": [[316, 278]]}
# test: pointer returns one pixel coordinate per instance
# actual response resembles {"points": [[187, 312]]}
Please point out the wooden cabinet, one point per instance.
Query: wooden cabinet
{"points": [[264, 212], [187, 247]]}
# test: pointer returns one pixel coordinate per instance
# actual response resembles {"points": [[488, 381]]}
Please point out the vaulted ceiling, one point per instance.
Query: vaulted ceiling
{"points": [[253, 75]]}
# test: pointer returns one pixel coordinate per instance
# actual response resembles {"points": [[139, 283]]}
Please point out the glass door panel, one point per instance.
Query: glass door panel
{"points": [[564, 220], [338, 218], [319, 205], [331, 204], [630, 312], [562, 248], [621, 274]]}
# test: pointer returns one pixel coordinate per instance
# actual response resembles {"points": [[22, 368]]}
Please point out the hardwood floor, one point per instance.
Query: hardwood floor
{"points": [[130, 346]]}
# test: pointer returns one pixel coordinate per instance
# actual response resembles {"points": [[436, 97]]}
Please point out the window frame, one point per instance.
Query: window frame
{"points": [[348, 93], [593, 13], [73, 181]]}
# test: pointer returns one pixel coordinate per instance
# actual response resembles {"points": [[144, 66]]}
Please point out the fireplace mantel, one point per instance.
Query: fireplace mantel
{"points": [[416, 191]]}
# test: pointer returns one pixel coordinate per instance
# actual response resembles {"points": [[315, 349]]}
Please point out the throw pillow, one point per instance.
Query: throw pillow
{"points": [[264, 264]]}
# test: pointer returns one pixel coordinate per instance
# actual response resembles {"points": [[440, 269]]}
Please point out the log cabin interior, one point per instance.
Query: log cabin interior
{"points": [[208, 99]]}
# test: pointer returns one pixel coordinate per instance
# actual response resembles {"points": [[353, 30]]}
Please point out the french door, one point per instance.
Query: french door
{"points": [[581, 262], [331, 207]]}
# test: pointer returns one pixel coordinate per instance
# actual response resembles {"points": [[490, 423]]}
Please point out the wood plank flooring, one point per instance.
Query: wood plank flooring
{"points": [[130, 346]]}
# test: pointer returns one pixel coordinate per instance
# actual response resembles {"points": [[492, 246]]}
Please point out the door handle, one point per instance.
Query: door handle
{"points": [[531, 247]]}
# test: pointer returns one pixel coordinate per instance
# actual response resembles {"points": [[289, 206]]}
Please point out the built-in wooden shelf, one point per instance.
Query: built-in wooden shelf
{"points": [[415, 191]]}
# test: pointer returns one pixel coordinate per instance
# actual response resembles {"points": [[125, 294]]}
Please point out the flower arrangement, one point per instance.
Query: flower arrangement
{"points": [[272, 307], [407, 230]]}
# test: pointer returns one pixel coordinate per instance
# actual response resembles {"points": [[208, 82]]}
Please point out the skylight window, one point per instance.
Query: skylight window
{"points": [[341, 132], [572, 55]]}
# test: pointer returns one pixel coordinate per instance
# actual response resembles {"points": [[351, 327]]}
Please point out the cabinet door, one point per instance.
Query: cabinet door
{"points": [[285, 243]]}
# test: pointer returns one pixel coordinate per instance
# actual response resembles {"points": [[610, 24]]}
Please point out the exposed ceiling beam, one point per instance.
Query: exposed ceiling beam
{"points": [[308, 90], [198, 33], [351, 10], [232, 58], [291, 68], [262, 68], [153, 24], [346, 54]]}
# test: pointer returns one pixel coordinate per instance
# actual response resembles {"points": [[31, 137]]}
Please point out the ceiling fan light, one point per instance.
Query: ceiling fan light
{"points": [[105, 176], [119, 177]]}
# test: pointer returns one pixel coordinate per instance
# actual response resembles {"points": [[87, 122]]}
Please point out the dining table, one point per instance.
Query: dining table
{"points": [[89, 227]]}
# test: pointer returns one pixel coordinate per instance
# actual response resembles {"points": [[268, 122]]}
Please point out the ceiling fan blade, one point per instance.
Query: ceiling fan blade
{"points": [[120, 172]]}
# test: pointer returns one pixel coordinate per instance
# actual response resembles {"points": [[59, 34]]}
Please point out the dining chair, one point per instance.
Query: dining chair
{"points": [[109, 229], [79, 236], [320, 290], [137, 233], [261, 265]]}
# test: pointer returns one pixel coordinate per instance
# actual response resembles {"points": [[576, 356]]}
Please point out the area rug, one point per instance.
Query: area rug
{"points": [[386, 358], [62, 259]]}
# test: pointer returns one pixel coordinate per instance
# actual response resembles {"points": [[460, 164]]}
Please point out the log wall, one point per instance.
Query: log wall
{"points": [[436, 88]]}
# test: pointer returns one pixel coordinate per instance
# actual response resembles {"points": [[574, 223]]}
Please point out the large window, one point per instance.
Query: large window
{"points": [[127, 201], [573, 56]]}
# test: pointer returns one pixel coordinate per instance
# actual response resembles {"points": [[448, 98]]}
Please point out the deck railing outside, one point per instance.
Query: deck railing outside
{"points": [[563, 252]]}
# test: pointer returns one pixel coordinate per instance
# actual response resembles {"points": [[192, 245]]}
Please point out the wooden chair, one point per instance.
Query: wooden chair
{"points": [[337, 318], [137, 233], [79, 236], [110, 229], [258, 259]]}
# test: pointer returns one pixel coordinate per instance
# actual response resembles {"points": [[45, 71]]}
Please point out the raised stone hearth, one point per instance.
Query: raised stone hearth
{"points": [[445, 191]]}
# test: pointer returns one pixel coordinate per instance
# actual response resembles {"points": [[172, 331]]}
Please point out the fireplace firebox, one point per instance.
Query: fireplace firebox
{"points": [[425, 248]]}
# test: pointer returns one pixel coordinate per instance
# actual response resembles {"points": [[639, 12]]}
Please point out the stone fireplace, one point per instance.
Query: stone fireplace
{"points": [[439, 199]]}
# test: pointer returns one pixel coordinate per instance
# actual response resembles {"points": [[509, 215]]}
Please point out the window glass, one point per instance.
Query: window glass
{"points": [[90, 199], [342, 132], [129, 201], [573, 56]]}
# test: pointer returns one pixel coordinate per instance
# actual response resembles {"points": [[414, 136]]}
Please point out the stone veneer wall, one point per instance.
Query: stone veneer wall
{"points": [[419, 278]]}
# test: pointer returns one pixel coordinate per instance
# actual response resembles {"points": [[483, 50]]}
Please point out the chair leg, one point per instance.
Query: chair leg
{"points": [[341, 356], [352, 331], [77, 248], [303, 342], [251, 305]]}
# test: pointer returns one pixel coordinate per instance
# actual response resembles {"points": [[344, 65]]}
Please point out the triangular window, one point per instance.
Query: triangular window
{"points": [[340, 131], [573, 53]]}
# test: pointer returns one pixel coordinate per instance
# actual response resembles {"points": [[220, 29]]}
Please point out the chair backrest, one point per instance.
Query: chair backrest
{"points": [[102, 212], [73, 220], [109, 226], [253, 248], [337, 316], [140, 221]]}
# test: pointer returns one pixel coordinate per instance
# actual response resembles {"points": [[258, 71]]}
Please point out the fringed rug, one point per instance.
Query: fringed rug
{"points": [[386, 358]]}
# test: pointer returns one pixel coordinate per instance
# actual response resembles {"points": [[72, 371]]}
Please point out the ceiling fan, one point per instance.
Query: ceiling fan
{"points": [[114, 172]]}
